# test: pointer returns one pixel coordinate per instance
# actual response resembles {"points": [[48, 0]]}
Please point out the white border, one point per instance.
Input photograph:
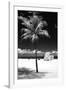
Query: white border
{"points": [[13, 82], [11, 45]]}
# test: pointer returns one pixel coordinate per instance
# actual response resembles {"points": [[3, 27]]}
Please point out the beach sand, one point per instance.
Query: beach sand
{"points": [[46, 69]]}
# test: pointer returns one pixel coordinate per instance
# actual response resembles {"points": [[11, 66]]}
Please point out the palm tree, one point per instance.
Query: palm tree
{"points": [[33, 28]]}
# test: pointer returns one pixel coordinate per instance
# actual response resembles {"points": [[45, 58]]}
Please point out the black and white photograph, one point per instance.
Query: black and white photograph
{"points": [[33, 44], [37, 44]]}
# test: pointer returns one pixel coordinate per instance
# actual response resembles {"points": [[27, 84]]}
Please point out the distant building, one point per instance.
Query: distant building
{"points": [[51, 55]]}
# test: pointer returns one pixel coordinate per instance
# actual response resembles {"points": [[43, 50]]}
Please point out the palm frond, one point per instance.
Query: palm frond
{"points": [[20, 18], [34, 20], [45, 23], [44, 32], [33, 27], [26, 36], [26, 22], [39, 26], [26, 30], [23, 35], [34, 37]]}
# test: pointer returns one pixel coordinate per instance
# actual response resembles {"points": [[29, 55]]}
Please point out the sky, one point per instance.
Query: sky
{"points": [[44, 43]]}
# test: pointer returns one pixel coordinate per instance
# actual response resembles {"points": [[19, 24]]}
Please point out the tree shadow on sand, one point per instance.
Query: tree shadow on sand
{"points": [[26, 73]]}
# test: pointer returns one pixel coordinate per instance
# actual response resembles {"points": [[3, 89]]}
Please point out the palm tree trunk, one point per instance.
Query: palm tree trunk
{"points": [[36, 62]]}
